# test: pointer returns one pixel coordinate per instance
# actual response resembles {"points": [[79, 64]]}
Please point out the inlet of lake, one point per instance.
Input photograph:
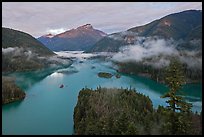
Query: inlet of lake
{"points": [[48, 109]]}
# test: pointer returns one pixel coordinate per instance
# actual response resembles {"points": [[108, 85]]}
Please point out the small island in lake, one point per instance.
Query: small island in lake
{"points": [[117, 75], [105, 75]]}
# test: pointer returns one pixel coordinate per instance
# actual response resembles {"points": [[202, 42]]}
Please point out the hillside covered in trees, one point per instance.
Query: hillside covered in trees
{"points": [[10, 91], [125, 112], [21, 52], [185, 26], [192, 75]]}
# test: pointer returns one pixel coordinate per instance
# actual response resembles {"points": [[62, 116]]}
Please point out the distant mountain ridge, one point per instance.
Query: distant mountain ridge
{"points": [[22, 52], [81, 38], [176, 25], [186, 26]]}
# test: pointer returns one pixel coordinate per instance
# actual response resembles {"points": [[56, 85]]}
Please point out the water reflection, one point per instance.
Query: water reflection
{"points": [[69, 70], [11, 106], [56, 75], [46, 106]]}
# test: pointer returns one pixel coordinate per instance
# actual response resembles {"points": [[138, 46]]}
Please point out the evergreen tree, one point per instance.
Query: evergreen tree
{"points": [[175, 79]]}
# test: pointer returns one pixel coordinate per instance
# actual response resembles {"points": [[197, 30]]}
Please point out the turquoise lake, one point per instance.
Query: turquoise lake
{"points": [[48, 109]]}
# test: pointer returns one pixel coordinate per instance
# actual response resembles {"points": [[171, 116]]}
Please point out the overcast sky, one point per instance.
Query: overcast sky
{"points": [[39, 18]]}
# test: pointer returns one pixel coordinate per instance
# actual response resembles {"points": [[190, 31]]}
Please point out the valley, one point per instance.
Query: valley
{"points": [[102, 69], [46, 106]]}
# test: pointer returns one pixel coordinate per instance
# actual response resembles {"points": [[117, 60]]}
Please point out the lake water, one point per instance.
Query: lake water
{"points": [[48, 109]]}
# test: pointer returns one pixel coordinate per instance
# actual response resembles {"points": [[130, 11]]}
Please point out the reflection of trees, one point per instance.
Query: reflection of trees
{"points": [[27, 79]]}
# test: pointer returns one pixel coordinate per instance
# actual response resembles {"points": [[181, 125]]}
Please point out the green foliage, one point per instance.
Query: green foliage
{"points": [[125, 112], [179, 124], [196, 33], [105, 75], [23, 43], [11, 64], [174, 78], [14, 38], [28, 54], [176, 123], [192, 75], [112, 111], [139, 68], [10, 92]]}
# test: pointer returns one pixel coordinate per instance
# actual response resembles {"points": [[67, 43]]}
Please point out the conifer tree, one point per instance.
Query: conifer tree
{"points": [[174, 78]]}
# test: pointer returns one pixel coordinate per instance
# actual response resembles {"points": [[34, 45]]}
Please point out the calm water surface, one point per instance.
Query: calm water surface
{"points": [[48, 109]]}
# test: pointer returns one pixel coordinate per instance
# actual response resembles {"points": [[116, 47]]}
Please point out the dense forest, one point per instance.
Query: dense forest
{"points": [[125, 112], [156, 73], [10, 91]]}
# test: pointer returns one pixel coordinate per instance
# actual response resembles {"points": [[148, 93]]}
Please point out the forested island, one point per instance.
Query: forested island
{"points": [[105, 75], [108, 75], [102, 68], [125, 112]]}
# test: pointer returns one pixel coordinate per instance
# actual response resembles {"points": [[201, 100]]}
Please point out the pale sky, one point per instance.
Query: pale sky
{"points": [[39, 18]]}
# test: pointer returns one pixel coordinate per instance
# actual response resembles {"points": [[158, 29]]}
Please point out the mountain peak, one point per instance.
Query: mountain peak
{"points": [[86, 26], [49, 35], [81, 38]]}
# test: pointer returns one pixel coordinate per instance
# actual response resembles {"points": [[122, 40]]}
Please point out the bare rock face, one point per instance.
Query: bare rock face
{"points": [[80, 38]]}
